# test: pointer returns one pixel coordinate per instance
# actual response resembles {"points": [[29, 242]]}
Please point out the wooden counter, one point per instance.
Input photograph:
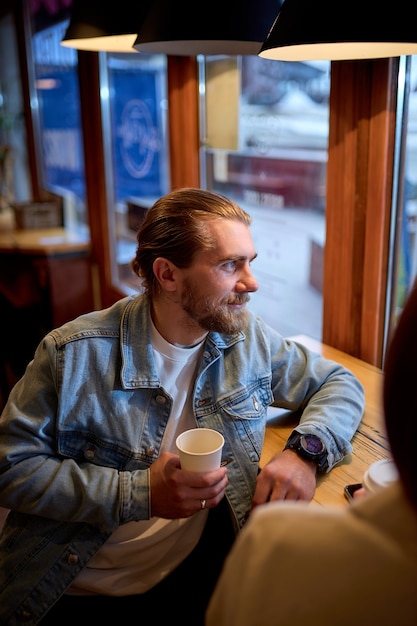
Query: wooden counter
{"points": [[369, 443], [45, 280], [46, 241]]}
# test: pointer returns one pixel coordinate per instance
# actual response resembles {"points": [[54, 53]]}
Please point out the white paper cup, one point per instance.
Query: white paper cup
{"points": [[380, 474], [200, 449]]}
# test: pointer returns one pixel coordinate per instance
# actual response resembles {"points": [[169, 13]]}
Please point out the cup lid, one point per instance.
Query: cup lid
{"points": [[380, 474]]}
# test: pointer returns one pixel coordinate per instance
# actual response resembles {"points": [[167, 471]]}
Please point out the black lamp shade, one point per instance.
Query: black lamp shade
{"points": [[97, 25], [217, 27], [332, 30]]}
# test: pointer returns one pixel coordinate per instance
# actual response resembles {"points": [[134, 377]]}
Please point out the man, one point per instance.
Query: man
{"points": [[103, 517]]}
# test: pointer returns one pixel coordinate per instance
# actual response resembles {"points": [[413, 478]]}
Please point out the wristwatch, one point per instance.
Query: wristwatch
{"points": [[309, 447]]}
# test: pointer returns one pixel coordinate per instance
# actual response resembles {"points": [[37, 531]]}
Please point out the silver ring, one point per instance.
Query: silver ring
{"points": [[203, 504]]}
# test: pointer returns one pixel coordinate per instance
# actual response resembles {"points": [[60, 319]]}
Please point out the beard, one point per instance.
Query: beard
{"points": [[214, 316]]}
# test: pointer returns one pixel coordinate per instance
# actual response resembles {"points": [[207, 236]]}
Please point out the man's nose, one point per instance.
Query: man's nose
{"points": [[247, 281]]}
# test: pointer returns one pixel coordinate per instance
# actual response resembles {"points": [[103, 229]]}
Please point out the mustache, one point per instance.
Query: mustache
{"points": [[239, 299]]}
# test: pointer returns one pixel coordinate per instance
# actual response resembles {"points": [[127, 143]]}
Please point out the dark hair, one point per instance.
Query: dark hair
{"points": [[400, 396], [175, 228]]}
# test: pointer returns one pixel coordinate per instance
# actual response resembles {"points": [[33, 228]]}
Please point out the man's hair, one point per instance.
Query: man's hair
{"points": [[175, 228]]}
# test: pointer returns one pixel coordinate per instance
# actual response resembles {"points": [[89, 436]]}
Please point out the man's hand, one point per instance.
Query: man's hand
{"points": [[285, 477], [178, 493]]}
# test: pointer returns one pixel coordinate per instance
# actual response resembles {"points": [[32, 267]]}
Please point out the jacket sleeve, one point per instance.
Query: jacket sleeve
{"points": [[35, 478], [329, 398]]}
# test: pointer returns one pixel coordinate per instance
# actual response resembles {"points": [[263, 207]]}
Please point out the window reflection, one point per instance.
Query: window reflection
{"points": [[264, 137], [135, 114]]}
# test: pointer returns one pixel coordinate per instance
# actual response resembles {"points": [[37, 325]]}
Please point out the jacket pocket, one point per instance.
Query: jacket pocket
{"points": [[244, 417], [87, 447]]}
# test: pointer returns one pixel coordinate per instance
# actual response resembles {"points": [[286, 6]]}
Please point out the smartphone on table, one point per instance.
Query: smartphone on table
{"points": [[349, 490]]}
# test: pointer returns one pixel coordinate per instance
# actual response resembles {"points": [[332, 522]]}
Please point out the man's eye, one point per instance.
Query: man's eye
{"points": [[230, 266]]}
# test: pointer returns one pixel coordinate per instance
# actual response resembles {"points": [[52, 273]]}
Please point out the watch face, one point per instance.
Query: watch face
{"points": [[312, 444]]}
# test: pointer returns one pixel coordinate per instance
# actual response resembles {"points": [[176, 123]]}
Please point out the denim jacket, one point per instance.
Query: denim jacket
{"points": [[84, 424]]}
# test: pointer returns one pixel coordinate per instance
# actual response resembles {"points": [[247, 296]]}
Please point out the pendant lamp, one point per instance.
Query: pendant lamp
{"points": [[97, 25], [188, 27], [331, 30]]}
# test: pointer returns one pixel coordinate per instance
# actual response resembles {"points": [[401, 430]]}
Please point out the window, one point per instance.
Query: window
{"points": [[264, 137], [57, 98], [407, 219], [134, 101], [14, 177]]}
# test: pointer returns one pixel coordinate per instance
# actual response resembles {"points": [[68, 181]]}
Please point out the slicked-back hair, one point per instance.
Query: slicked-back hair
{"points": [[175, 228]]}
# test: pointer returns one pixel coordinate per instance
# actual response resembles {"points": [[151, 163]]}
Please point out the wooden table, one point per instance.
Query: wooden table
{"points": [[369, 442]]}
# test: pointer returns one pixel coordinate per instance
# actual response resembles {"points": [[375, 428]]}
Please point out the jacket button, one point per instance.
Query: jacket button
{"points": [[150, 451], [160, 399], [73, 559], [89, 454]]}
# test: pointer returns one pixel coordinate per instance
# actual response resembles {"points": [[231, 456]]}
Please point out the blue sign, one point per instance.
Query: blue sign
{"points": [[137, 133]]}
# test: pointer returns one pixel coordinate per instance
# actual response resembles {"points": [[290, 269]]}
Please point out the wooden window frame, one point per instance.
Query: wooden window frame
{"points": [[358, 205]]}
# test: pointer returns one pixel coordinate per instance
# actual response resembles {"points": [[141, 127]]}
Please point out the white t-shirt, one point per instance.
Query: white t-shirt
{"points": [[138, 555]]}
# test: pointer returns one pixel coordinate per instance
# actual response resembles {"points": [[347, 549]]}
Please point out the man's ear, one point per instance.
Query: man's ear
{"points": [[165, 273]]}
